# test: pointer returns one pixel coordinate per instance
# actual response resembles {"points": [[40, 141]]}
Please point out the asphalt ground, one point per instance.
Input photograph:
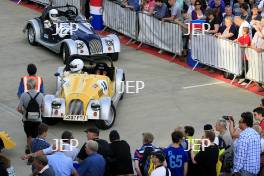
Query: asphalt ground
{"points": [[173, 95]]}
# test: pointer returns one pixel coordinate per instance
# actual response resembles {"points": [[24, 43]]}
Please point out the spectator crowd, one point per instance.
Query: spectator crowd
{"points": [[241, 21]]}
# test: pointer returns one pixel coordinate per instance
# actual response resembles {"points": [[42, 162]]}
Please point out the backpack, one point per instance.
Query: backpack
{"points": [[146, 164], [33, 109]]}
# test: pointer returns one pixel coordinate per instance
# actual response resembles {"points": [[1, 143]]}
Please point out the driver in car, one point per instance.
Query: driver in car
{"points": [[101, 69], [76, 66], [53, 19]]}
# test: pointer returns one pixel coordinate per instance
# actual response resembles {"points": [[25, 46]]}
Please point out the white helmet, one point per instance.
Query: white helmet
{"points": [[76, 65], [53, 14]]}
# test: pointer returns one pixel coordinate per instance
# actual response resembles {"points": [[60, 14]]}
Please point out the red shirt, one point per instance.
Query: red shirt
{"points": [[244, 40], [261, 124]]}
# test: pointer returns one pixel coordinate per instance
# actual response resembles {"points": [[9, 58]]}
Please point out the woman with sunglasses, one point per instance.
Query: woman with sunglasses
{"points": [[198, 12]]}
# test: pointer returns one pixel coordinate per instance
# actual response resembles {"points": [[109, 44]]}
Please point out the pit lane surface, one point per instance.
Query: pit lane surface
{"points": [[172, 96]]}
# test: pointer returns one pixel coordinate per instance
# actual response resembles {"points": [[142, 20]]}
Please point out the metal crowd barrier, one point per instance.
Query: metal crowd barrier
{"points": [[123, 20], [164, 35], [222, 54], [76, 3], [255, 70], [42, 2]]}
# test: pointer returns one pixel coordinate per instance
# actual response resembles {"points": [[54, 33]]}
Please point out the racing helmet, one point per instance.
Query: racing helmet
{"points": [[76, 65], [53, 14]]}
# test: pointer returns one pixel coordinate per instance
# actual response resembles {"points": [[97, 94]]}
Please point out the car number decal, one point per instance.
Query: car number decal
{"points": [[103, 85]]}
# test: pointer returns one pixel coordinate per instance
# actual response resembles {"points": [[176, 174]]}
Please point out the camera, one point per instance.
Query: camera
{"points": [[226, 117]]}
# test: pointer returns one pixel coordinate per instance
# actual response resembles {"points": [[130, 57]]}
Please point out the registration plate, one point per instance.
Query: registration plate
{"points": [[75, 117]]}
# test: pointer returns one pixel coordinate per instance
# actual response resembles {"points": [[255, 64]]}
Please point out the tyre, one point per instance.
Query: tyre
{"points": [[50, 121], [106, 124], [31, 35], [65, 53], [114, 56], [124, 80], [2, 145]]}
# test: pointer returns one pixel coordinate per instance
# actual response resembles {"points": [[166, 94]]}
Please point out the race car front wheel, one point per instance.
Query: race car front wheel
{"points": [[106, 124], [31, 35], [65, 53]]}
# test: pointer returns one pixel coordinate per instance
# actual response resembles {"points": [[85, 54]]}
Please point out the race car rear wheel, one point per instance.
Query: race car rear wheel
{"points": [[31, 35], [106, 124], [114, 56], [65, 53]]}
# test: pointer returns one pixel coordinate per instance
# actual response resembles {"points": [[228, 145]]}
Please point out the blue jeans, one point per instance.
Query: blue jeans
{"points": [[246, 173]]}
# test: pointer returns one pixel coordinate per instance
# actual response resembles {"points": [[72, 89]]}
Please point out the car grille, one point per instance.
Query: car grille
{"points": [[95, 47], [76, 107]]}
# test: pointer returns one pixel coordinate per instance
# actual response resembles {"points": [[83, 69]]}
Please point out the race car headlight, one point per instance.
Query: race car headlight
{"points": [[56, 105], [80, 45], [95, 107]]}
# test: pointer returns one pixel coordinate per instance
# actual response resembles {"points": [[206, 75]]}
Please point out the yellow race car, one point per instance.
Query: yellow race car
{"points": [[90, 94]]}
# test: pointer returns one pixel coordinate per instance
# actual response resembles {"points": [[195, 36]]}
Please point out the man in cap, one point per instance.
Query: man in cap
{"points": [[103, 146], [217, 140], [94, 164]]}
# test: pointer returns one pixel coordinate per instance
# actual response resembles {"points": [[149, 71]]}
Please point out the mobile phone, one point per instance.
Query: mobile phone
{"points": [[226, 117]]}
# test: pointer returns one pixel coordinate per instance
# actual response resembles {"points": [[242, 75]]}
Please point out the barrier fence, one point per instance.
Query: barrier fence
{"points": [[120, 19], [222, 54], [255, 65], [78, 3], [164, 35], [43, 2]]}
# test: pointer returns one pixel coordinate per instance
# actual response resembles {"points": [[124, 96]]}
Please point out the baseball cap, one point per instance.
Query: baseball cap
{"points": [[208, 127], [160, 155], [92, 130]]}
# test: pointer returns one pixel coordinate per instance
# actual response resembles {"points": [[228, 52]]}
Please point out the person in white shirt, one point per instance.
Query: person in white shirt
{"points": [[242, 23], [158, 159]]}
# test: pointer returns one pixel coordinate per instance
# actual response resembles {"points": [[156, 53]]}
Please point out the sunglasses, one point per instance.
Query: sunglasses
{"points": [[197, 4]]}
